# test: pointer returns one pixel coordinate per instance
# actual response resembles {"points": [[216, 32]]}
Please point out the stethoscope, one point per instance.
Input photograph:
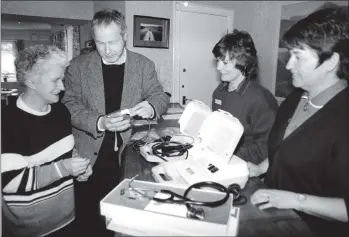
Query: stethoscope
{"points": [[238, 197], [198, 213], [169, 196], [183, 199]]}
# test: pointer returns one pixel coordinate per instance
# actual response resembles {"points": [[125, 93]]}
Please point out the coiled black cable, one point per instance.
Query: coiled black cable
{"points": [[238, 197], [170, 149]]}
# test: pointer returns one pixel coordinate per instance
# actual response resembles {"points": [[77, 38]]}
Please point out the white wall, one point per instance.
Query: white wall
{"points": [[99, 5], [262, 20], [85, 34], [163, 58], [81, 10], [117, 5], [26, 35]]}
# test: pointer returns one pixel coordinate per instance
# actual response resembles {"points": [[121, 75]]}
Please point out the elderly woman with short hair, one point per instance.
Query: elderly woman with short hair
{"points": [[37, 163]]}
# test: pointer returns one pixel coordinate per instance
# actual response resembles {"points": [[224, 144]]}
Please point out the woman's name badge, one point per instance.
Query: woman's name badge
{"points": [[218, 102]]}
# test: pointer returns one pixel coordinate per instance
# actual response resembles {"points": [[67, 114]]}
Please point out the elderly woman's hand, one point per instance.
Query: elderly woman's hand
{"points": [[267, 198], [84, 177], [76, 165]]}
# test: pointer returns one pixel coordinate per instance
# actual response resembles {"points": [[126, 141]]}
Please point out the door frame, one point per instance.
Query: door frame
{"points": [[178, 7]]}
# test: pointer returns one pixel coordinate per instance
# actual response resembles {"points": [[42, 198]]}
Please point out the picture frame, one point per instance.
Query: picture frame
{"points": [[89, 44], [151, 32]]}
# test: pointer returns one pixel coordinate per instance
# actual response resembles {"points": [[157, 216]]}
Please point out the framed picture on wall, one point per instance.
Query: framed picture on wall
{"points": [[151, 32], [89, 44], [290, 14]]}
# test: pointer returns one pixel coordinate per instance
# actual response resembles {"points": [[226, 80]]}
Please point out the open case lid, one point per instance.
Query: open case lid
{"points": [[193, 117], [221, 133]]}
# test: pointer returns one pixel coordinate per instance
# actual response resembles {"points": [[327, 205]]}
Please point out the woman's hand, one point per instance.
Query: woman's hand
{"points": [[268, 198], [76, 165], [84, 177], [254, 170]]}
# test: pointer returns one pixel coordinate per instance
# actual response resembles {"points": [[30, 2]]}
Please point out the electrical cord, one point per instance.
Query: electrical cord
{"points": [[184, 135], [136, 144], [149, 126], [238, 196], [167, 148]]}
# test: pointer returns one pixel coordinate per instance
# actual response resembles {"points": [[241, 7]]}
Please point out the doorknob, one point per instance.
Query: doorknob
{"points": [[184, 70], [185, 99]]}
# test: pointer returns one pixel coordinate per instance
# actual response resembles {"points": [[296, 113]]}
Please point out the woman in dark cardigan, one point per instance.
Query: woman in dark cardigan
{"points": [[240, 94], [308, 165]]}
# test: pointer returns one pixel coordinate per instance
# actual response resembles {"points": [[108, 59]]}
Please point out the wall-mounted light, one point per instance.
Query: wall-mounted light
{"points": [[184, 3]]}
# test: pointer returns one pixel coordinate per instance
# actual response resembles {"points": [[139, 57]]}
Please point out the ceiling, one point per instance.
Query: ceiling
{"points": [[22, 25], [22, 22]]}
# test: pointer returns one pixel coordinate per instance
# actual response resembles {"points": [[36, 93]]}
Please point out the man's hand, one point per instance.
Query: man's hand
{"points": [[76, 165], [84, 177], [115, 122], [143, 109]]}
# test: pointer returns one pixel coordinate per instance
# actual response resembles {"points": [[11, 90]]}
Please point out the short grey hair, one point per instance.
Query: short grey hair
{"points": [[30, 61], [106, 17]]}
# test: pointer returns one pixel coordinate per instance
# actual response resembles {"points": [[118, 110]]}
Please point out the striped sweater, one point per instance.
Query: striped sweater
{"points": [[36, 187]]}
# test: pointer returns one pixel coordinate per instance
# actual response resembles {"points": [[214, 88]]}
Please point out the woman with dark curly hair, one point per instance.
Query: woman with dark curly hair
{"points": [[242, 96]]}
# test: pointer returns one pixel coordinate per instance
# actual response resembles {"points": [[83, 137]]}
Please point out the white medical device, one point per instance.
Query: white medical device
{"points": [[211, 158], [190, 122]]}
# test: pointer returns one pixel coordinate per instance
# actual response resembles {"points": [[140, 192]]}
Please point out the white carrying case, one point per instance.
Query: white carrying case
{"points": [[210, 159], [136, 217], [190, 123]]}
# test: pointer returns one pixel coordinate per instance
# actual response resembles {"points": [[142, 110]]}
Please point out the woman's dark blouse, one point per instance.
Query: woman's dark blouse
{"points": [[314, 158]]}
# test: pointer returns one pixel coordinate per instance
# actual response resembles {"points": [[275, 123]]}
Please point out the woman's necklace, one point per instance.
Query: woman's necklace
{"points": [[306, 105]]}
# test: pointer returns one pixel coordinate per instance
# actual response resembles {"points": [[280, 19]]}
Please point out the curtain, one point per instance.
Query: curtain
{"points": [[60, 40], [76, 41], [68, 40], [20, 45]]}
